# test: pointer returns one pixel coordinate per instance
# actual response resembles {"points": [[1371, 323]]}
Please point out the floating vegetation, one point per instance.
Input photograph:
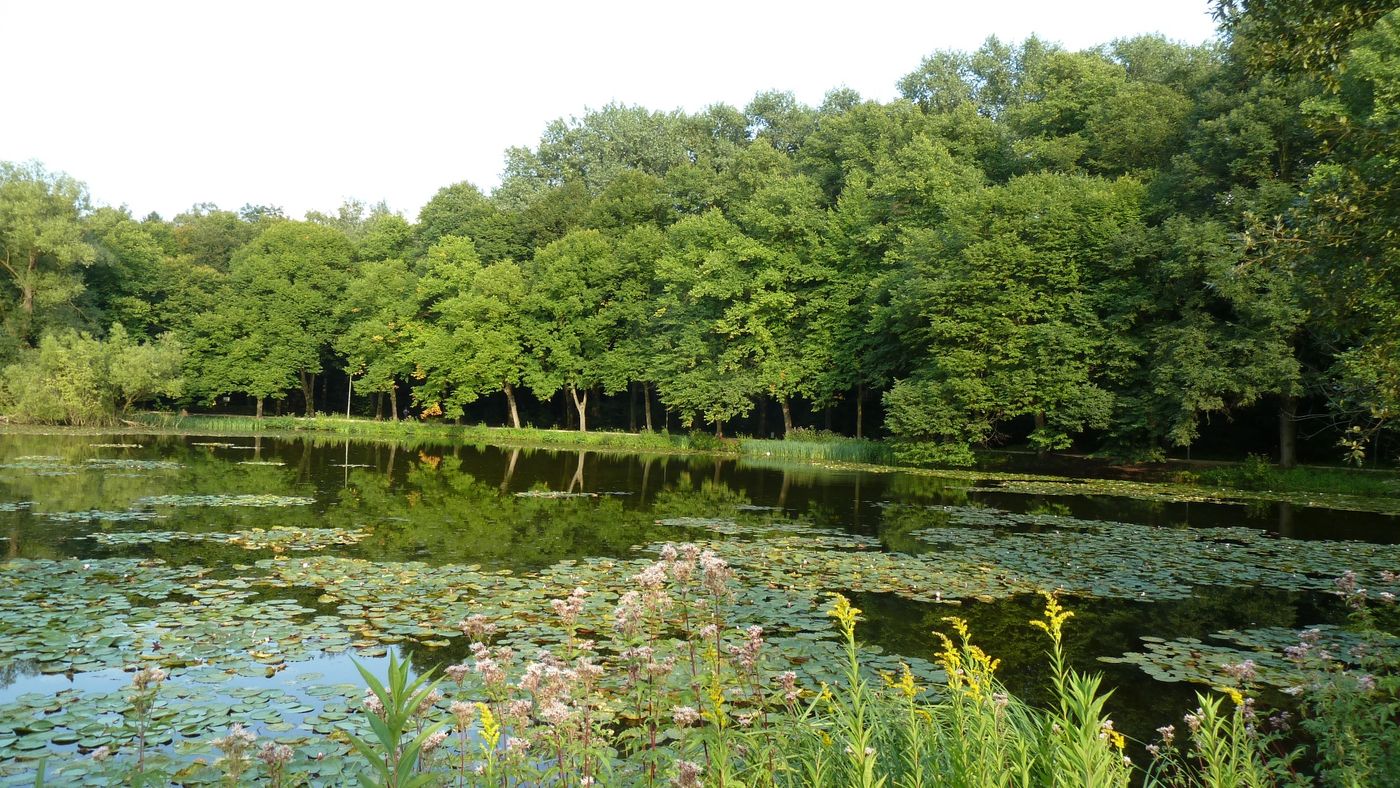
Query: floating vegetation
{"points": [[1186, 493], [277, 539], [116, 446], [1190, 659], [101, 516], [732, 528], [192, 714], [214, 444], [224, 500], [109, 613], [234, 629], [275, 463], [133, 465], [1124, 560], [57, 466]]}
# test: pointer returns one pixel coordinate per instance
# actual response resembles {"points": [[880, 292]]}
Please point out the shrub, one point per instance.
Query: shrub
{"points": [[74, 378]]}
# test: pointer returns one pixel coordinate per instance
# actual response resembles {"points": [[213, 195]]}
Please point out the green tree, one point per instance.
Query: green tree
{"points": [[377, 310], [575, 322], [42, 248], [469, 338], [1005, 321], [277, 314]]}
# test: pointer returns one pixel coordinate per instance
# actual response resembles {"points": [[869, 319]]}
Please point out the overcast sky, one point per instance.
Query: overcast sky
{"points": [[304, 104]]}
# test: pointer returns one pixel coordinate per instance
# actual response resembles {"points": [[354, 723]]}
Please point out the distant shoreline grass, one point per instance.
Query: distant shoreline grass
{"points": [[807, 447], [529, 437]]}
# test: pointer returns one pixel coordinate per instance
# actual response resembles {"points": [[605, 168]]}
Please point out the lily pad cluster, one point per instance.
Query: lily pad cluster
{"points": [[1131, 561], [1266, 648], [104, 516], [224, 500], [277, 539]]}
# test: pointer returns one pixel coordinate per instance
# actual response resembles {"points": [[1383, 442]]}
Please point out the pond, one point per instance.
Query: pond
{"points": [[253, 569]]}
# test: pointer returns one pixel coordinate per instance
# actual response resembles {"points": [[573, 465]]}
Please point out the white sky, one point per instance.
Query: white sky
{"points": [[303, 104]]}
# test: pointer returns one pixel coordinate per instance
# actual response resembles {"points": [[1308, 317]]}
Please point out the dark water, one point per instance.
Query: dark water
{"points": [[451, 505]]}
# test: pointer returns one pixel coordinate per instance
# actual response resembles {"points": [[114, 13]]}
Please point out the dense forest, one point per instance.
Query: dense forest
{"points": [[1122, 249]]}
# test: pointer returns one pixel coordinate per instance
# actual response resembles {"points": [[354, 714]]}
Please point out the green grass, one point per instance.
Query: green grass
{"points": [[822, 448], [1257, 473], [412, 431]]}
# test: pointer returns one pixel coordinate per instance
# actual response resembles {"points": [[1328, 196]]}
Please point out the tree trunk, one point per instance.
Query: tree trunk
{"points": [[860, 411], [787, 417], [631, 406], [378, 406], [308, 392], [260, 407], [582, 406], [510, 400], [762, 415], [1288, 432], [719, 428], [393, 400], [646, 402], [1040, 425]]}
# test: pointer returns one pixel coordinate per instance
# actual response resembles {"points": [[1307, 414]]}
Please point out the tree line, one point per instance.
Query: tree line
{"points": [[1105, 248]]}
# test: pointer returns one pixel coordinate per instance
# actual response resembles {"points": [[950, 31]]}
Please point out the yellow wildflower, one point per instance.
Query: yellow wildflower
{"points": [[1055, 616], [844, 612], [490, 728]]}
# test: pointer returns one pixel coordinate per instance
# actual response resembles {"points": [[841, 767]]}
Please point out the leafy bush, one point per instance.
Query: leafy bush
{"points": [[74, 378], [923, 454]]}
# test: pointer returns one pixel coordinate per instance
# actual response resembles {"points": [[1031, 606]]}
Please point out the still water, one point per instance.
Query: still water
{"points": [[268, 517]]}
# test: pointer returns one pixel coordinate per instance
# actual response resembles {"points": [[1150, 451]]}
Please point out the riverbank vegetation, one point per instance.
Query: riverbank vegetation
{"points": [[1137, 248], [1255, 475], [673, 692]]}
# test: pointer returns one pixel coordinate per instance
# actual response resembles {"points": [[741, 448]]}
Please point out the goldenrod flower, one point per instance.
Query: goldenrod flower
{"points": [[490, 729]]}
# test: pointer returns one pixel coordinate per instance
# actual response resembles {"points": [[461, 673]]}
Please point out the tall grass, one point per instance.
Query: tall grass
{"points": [[852, 450]]}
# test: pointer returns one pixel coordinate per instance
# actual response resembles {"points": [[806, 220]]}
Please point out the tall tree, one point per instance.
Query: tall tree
{"points": [[278, 314], [575, 323], [42, 248], [1004, 316]]}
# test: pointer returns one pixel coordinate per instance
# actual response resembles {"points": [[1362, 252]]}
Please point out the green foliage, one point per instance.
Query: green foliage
{"points": [[393, 761], [42, 249], [1005, 305], [1100, 249], [276, 314], [73, 378]]}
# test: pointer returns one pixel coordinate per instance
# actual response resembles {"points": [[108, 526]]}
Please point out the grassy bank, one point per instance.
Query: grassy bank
{"points": [[650, 442], [1255, 474]]}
